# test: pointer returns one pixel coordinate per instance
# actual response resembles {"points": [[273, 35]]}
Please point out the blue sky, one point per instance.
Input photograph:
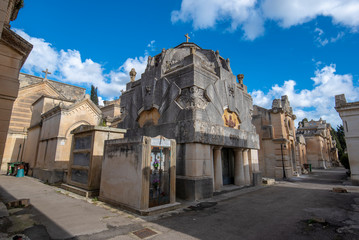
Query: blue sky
{"points": [[305, 49]]}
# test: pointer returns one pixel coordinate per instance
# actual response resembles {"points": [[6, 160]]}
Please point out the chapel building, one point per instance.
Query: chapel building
{"points": [[191, 95]]}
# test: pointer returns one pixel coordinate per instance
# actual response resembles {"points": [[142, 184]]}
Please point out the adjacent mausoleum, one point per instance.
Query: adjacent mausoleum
{"points": [[278, 152], [321, 148], [349, 113]]}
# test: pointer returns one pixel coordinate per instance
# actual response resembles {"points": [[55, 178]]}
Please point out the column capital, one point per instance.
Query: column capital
{"points": [[217, 147]]}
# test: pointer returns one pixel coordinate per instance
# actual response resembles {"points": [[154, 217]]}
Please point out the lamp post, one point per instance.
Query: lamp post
{"points": [[281, 150]]}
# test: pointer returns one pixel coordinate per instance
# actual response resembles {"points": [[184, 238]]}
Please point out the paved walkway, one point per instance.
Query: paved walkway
{"points": [[280, 211]]}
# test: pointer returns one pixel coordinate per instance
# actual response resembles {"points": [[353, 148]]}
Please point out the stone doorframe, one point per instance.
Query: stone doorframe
{"points": [[242, 167]]}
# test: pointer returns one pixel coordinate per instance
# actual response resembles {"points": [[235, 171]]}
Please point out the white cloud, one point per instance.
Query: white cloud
{"points": [[250, 15], [314, 103], [294, 12], [321, 41], [42, 51], [206, 13], [339, 36], [68, 66]]}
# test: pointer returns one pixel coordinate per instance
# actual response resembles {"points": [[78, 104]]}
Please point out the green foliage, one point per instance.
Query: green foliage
{"points": [[345, 160], [94, 97], [339, 145], [338, 136], [302, 122], [341, 137], [19, 4], [103, 123]]}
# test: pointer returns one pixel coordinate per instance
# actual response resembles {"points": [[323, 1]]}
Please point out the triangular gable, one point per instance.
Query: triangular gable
{"points": [[86, 102], [45, 86]]}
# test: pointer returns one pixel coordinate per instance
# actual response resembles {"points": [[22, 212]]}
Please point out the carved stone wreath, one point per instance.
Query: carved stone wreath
{"points": [[192, 98]]}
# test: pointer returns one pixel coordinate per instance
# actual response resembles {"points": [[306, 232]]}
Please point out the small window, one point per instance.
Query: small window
{"points": [[346, 125]]}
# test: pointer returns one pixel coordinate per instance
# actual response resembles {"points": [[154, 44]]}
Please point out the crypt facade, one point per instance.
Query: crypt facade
{"points": [[278, 152], [191, 95]]}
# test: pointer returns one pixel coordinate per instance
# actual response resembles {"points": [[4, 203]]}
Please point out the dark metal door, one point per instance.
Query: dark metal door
{"points": [[228, 166]]}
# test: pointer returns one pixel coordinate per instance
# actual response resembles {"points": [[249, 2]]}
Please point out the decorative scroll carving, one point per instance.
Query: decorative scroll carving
{"points": [[192, 98]]}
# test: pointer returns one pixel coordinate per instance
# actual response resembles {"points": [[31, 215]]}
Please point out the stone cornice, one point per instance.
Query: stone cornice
{"points": [[17, 43]]}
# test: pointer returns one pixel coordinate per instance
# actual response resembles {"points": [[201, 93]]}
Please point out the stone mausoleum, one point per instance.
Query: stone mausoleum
{"points": [[278, 152], [191, 95], [321, 148]]}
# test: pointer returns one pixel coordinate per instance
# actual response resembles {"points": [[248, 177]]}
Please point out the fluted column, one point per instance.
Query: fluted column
{"points": [[247, 177], [217, 163], [238, 167]]}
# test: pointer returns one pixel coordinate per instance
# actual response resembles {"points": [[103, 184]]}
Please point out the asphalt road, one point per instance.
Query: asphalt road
{"points": [[301, 208]]}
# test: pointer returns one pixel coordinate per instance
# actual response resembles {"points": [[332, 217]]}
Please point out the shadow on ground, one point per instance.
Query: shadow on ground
{"points": [[26, 220]]}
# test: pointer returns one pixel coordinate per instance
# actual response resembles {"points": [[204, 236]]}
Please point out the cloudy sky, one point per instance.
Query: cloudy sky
{"points": [[305, 49]]}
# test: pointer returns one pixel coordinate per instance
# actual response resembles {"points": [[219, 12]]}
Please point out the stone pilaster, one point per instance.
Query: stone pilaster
{"points": [[217, 163], [238, 167], [247, 177]]}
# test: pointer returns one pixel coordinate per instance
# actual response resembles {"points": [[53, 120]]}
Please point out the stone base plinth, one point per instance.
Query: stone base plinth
{"points": [[49, 176], [80, 191], [257, 178], [194, 188]]}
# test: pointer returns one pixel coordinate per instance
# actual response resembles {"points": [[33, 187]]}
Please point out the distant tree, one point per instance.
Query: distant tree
{"points": [[335, 137], [94, 96], [341, 137], [338, 136], [302, 122]]}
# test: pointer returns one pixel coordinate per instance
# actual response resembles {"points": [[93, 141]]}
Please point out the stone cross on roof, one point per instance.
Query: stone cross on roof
{"points": [[46, 72], [187, 37]]}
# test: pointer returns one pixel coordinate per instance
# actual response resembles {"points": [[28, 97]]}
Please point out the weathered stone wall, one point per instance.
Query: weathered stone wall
{"points": [[13, 53], [122, 168]]}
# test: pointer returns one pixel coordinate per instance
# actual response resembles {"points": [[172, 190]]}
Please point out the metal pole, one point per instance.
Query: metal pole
{"points": [[18, 154], [281, 150]]}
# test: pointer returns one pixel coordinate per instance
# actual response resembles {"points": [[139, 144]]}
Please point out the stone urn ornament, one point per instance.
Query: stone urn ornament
{"points": [[133, 74]]}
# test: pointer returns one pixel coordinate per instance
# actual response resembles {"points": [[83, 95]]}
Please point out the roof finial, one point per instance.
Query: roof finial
{"points": [[46, 72], [187, 37]]}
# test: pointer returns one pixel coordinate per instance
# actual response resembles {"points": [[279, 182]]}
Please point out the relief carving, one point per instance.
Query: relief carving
{"points": [[148, 90], [231, 119], [192, 98], [231, 91]]}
